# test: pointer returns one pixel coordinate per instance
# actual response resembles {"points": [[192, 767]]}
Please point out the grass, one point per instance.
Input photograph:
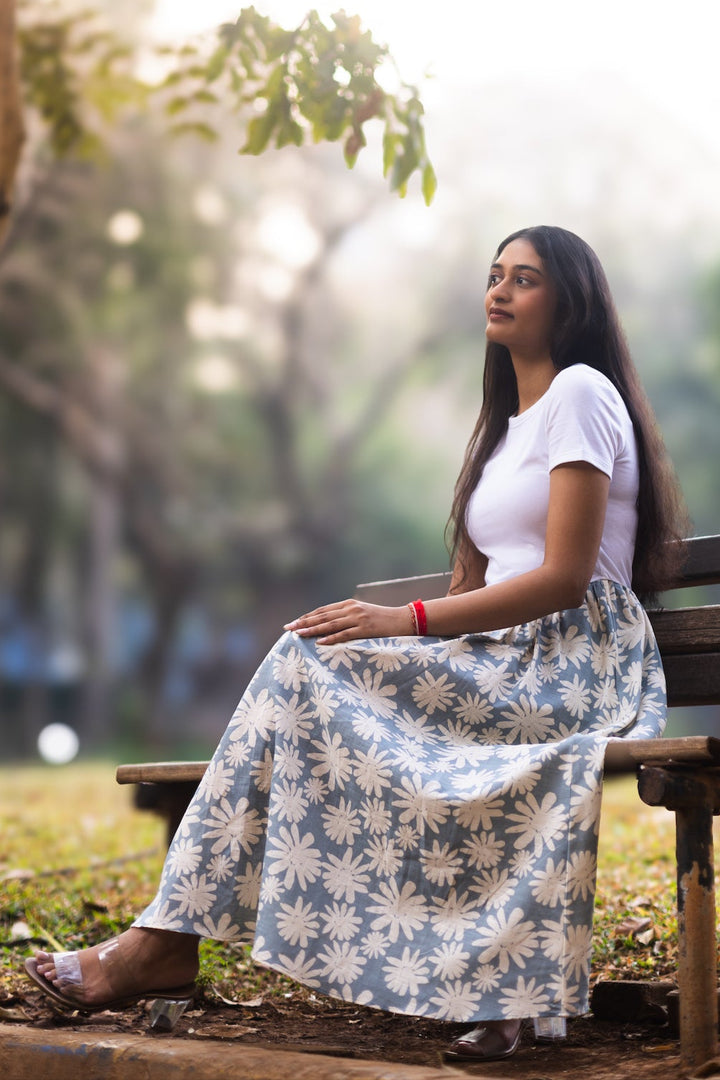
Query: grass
{"points": [[77, 863]]}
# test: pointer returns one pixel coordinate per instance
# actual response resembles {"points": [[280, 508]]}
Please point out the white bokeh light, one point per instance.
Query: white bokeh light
{"points": [[57, 744], [125, 227]]}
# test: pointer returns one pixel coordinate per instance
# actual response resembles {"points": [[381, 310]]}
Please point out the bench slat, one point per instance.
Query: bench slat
{"points": [[693, 680], [621, 755], [687, 630], [161, 772]]}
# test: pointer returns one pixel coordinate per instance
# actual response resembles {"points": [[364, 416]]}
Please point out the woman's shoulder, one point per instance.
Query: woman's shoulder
{"points": [[585, 383]]}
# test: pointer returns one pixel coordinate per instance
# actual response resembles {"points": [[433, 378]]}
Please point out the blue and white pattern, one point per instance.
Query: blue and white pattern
{"points": [[411, 823]]}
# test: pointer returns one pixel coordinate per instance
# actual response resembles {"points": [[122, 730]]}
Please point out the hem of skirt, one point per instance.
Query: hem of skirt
{"points": [[414, 1007]]}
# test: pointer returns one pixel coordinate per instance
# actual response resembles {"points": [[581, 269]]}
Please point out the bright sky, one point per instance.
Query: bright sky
{"points": [[667, 51]]}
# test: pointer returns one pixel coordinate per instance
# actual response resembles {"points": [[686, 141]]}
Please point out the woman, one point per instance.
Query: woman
{"points": [[403, 810]]}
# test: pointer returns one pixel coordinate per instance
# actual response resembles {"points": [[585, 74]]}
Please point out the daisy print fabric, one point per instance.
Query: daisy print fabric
{"points": [[411, 823]]}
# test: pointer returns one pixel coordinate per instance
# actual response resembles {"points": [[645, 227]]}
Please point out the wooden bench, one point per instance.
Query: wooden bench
{"points": [[681, 774]]}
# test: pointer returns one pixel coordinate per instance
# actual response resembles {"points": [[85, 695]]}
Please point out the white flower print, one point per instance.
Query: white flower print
{"points": [[345, 877], [185, 855], [453, 915], [473, 709], [383, 856], [494, 888], [632, 678], [220, 868], [301, 968], [295, 856], [194, 894], [375, 944], [341, 922], [421, 802], [487, 978], [398, 910], [480, 812], [324, 704], [288, 762], [290, 670], [456, 1001], [262, 770], [581, 874], [552, 938], [315, 790], [572, 647], [509, 939], [294, 718], [372, 693], [270, 889], [548, 884], [376, 816], [343, 962], [236, 754], [539, 823], [334, 760], [407, 973], [450, 960], [234, 827], [575, 696], [494, 681], [521, 864], [288, 802], [484, 850], [441, 864], [342, 823], [393, 838], [525, 999], [631, 631], [369, 727], [585, 804], [579, 946], [254, 718], [217, 781], [604, 657], [431, 693], [525, 721], [297, 923], [372, 770], [387, 659], [247, 888], [222, 930]]}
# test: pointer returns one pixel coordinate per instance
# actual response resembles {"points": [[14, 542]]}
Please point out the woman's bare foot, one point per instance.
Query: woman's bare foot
{"points": [[490, 1041], [139, 961]]}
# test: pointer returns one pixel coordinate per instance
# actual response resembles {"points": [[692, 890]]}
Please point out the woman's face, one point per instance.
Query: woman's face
{"points": [[520, 302]]}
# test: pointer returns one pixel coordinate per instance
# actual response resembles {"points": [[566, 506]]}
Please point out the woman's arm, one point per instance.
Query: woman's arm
{"points": [[576, 515]]}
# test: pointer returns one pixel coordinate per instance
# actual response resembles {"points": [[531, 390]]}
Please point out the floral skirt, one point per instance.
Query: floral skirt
{"points": [[411, 823]]}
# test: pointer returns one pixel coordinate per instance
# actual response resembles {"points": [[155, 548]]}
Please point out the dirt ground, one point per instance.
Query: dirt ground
{"points": [[596, 1049]]}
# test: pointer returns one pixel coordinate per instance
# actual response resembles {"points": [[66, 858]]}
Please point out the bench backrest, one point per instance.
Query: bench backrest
{"points": [[689, 637]]}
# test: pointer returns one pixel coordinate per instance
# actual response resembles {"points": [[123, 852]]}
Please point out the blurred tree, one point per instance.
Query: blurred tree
{"points": [[244, 492]]}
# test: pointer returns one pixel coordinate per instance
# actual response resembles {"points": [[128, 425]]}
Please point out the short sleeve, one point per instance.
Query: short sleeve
{"points": [[586, 419]]}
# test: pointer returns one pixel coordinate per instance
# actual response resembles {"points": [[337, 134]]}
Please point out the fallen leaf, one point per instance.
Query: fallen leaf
{"points": [[13, 1014], [632, 926]]}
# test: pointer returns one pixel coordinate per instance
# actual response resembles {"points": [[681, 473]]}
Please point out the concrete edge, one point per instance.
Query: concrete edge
{"points": [[29, 1053]]}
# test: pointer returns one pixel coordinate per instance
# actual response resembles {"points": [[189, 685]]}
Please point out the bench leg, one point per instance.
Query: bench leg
{"points": [[697, 964]]}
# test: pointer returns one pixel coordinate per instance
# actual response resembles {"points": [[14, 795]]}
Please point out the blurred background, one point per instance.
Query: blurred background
{"points": [[231, 388]]}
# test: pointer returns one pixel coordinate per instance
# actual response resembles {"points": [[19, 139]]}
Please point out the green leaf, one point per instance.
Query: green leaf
{"points": [[429, 183], [203, 131], [260, 130]]}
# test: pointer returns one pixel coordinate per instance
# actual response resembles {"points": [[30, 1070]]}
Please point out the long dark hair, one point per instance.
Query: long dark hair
{"points": [[587, 331]]}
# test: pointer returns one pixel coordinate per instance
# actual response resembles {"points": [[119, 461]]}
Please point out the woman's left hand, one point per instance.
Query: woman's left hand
{"points": [[351, 619]]}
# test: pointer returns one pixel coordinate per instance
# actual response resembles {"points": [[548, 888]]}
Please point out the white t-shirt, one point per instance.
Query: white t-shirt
{"points": [[581, 417]]}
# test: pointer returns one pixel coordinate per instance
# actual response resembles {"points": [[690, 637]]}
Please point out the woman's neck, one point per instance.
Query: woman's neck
{"points": [[533, 380]]}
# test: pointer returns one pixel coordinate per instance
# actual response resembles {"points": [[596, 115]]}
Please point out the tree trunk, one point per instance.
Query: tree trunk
{"points": [[12, 130]]}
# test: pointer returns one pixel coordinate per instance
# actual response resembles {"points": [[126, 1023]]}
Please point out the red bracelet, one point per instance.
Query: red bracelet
{"points": [[413, 615], [418, 609]]}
